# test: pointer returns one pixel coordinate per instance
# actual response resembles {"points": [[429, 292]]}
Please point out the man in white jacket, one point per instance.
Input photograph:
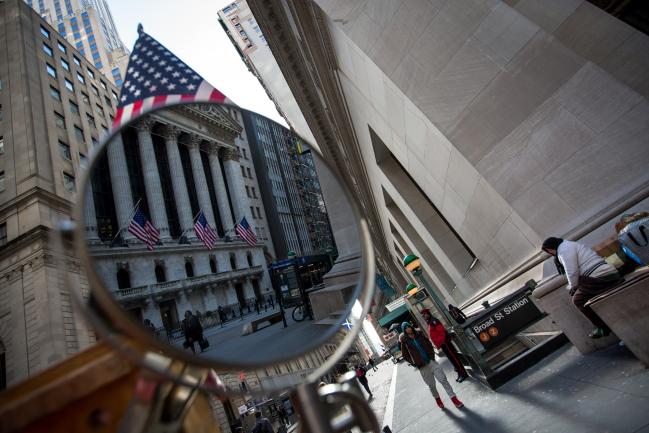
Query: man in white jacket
{"points": [[588, 275]]}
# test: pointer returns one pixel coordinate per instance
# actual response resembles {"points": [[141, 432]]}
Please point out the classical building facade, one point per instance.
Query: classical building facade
{"points": [[172, 165], [55, 107], [89, 26], [470, 129]]}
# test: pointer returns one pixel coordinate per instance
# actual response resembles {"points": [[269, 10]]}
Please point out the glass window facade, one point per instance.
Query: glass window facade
{"points": [[51, 71]]}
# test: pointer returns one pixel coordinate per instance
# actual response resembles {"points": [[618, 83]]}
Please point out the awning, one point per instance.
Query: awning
{"points": [[392, 315]]}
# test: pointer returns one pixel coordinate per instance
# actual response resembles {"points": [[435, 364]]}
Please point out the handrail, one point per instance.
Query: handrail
{"points": [[576, 233]]}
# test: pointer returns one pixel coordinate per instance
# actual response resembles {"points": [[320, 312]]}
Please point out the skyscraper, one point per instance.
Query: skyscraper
{"points": [[88, 25]]}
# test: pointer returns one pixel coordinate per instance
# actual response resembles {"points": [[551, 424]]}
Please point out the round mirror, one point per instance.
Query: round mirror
{"points": [[220, 237]]}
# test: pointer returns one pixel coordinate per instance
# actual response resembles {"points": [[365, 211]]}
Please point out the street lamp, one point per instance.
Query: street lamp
{"points": [[412, 263]]}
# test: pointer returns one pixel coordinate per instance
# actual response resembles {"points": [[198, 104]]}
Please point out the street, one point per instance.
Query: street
{"points": [[607, 391]]}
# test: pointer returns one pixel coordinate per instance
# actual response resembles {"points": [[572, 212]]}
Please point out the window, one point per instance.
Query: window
{"points": [[83, 160], [249, 257], [59, 120], [68, 182], [103, 85], [94, 141], [85, 97], [65, 150], [107, 100], [91, 74], [65, 65], [114, 94], [55, 93], [2, 145], [243, 171], [69, 85], [160, 275], [76, 61], [245, 155], [2, 181], [91, 120], [61, 47], [95, 90], [189, 269], [252, 212], [233, 261], [123, 279], [78, 132], [45, 32], [254, 193], [50, 70], [47, 49], [258, 213], [213, 265], [81, 78], [249, 172], [99, 110], [3, 234], [74, 107], [247, 190]]}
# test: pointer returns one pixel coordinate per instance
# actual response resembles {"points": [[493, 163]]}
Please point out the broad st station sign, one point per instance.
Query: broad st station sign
{"points": [[505, 320]]}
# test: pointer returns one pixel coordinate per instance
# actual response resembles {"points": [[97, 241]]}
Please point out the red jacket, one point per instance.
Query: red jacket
{"points": [[437, 334]]}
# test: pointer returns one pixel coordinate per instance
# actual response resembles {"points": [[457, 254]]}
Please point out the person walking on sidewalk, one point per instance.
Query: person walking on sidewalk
{"points": [[370, 362], [588, 275], [419, 352], [442, 340], [362, 378]]}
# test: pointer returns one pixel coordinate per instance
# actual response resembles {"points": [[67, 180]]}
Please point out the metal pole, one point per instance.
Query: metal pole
{"points": [[466, 346]]}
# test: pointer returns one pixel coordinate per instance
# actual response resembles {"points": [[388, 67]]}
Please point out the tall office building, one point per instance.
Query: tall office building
{"points": [[55, 107], [89, 26], [271, 147]]}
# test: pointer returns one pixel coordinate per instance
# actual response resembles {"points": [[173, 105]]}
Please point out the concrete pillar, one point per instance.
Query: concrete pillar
{"points": [[219, 187], [90, 216], [200, 181], [181, 195], [119, 179], [151, 176], [236, 185]]}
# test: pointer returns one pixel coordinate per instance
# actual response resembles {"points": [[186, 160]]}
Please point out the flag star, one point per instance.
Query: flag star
{"points": [[147, 83], [137, 93], [155, 58], [191, 87], [136, 74], [123, 98], [183, 80], [169, 68], [138, 61], [176, 74], [127, 83], [130, 70], [134, 56], [162, 63], [150, 70], [146, 65], [160, 47], [157, 75], [171, 86], [139, 79], [196, 77], [167, 54], [153, 88], [164, 81]]}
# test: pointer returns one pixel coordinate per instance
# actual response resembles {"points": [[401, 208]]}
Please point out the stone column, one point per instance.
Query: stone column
{"points": [[236, 185], [200, 181], [119, 179], [90, 216], [152, 178], [219, 187], [181, 195]]}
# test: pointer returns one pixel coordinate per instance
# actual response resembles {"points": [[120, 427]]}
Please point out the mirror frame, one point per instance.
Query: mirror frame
{"points": [[113, 322]]}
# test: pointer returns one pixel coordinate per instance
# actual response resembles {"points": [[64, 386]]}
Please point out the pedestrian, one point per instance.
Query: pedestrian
{"points": [[222, 317], [442, 340], [262, 425], [588, 275], [456, 313], [371, 364], [418, 351], [283, 415], [193, 331], [149, 325], [362, 378]]}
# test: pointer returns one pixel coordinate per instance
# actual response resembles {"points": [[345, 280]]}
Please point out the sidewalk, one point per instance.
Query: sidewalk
{"points": [[567, 392]]}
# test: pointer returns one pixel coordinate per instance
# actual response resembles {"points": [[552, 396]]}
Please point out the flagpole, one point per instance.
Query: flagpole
{"points": [[196, 216], [133, 210]]}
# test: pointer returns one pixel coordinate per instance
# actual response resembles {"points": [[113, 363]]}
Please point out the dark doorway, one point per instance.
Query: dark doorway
{"points": [[233, 261], [240, 297], [189, 269], [249, 257], [160, 276], [168, 314], [123, 279], [255, 287], [213, 265]]}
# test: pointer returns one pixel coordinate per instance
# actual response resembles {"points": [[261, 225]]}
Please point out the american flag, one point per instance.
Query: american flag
{"points": [[142, 229], [156, 77], [244, 230], [204, 232]]}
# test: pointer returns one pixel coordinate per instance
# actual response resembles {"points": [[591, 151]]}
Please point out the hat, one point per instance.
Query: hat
{"points": [[551, 243], [405, 325]]}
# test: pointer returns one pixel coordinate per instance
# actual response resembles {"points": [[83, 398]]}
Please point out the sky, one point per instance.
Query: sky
{"points": [[190, 29]]}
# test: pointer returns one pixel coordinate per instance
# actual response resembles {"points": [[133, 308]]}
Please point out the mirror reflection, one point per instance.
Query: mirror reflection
{"points": [[209, 226]]}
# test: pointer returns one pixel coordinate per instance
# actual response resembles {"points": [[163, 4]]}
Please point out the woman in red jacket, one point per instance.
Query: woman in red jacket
{"points": [[441, 340]]}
